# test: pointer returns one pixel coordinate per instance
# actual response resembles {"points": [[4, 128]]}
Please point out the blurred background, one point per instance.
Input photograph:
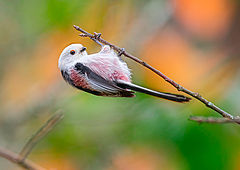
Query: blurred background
{"points": [[194, 42]]}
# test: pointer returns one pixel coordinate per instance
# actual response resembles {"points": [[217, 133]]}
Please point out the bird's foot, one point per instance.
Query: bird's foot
{"points": [[121, 51], [97, 35]]}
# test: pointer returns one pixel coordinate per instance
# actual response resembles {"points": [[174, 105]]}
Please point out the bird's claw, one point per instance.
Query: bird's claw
{"points": [[121, 51], [97, 35]]}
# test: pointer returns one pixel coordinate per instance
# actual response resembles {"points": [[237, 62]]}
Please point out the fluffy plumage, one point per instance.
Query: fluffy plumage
{"points": [[103, 74]]}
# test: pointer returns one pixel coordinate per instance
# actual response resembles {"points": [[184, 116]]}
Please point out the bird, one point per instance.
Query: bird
{"points": [[103, 74]]}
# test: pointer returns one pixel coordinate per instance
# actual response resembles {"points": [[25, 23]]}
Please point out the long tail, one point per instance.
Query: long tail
{"points": [[168, 96]]}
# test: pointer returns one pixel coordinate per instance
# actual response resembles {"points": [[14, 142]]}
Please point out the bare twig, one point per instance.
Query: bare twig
{"points": [[14, 158], [173, 83], [47, 127], [202, 119], [21, 159]]}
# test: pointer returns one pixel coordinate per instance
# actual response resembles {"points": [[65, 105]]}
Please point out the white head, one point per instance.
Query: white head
{"points": [[70, 54]]}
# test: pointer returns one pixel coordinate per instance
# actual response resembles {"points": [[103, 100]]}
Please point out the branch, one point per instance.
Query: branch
{"points": [[14, 158], [44, 130], [201, 119], [21, 159], [96, 37]]}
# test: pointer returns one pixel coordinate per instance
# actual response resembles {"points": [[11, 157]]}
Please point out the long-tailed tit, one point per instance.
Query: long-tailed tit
{"points": [[103, 74]]}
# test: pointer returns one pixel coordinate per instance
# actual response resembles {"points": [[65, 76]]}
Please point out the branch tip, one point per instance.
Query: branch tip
{"points": [[220, 120]]}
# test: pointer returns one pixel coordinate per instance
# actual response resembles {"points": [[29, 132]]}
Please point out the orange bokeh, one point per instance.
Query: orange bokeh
{"points": [[204, 18], [141, 159], [52, 161], [170, 53]]}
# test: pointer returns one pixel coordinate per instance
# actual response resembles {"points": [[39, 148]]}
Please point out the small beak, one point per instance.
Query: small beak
{"points": [[83, 49]]}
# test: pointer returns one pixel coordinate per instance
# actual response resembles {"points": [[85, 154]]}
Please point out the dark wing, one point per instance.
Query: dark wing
{"points": [[67, 78], [100, 84]]}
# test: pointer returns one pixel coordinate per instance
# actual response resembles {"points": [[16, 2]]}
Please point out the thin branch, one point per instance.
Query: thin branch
{"points": [[21, 159], [44, 130], [96, 37], [201, 119], [14, 158]]}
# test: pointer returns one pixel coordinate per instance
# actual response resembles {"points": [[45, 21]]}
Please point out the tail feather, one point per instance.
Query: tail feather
{"points": [[168, 96]]}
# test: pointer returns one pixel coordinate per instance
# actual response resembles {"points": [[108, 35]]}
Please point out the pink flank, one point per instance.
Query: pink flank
{"points": [[109, 70], [116, 75], [79, 80]]}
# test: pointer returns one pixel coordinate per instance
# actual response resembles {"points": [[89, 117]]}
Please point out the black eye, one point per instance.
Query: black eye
{"points": [[72, 52]]}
